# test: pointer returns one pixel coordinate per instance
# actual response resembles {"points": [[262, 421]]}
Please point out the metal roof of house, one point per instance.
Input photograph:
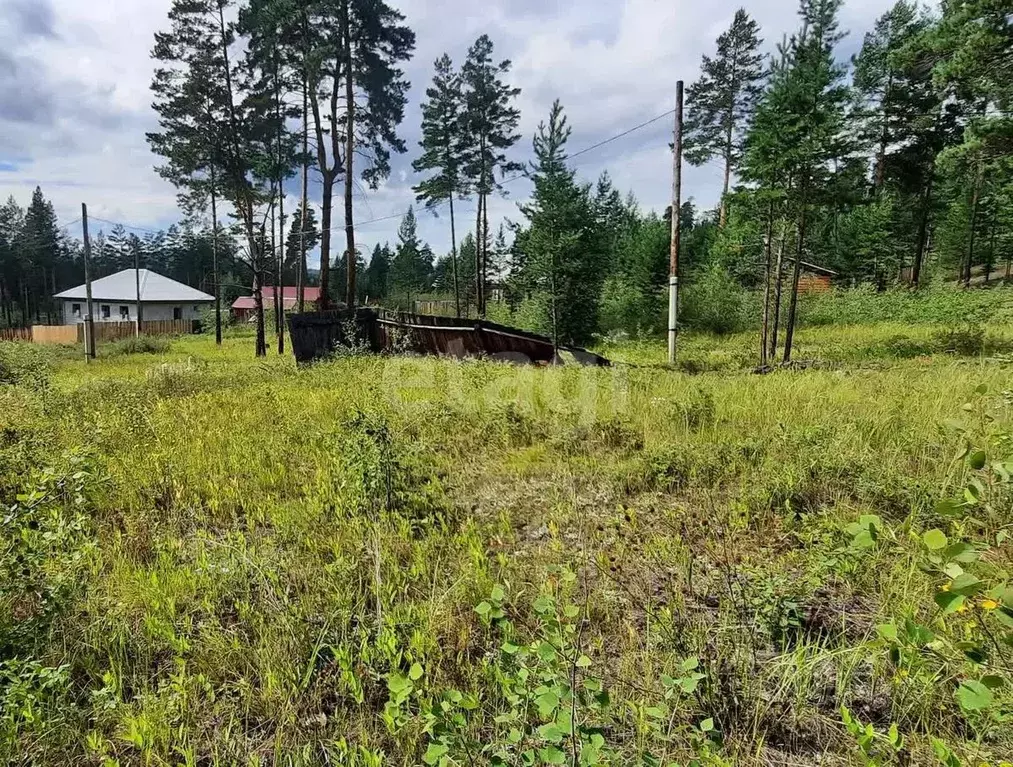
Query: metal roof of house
{"points": [[122, 286], [289, 296]]}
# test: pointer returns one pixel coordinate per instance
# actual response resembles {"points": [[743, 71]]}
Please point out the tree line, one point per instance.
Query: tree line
{"points": [[885, 169], [38, 258], [888, 168], [879, 168]]}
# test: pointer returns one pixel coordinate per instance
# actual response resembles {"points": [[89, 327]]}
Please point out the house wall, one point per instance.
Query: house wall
{"points": [[149, 311]]}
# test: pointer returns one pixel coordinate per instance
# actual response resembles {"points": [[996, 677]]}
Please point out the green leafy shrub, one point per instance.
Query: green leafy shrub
{"points": [[966, 558], [628, 308], [44, 555], [715, 302], [207, 319], [24, 364]]}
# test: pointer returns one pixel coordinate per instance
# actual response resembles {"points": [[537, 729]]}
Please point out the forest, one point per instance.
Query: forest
{"points": [[891, 168]]}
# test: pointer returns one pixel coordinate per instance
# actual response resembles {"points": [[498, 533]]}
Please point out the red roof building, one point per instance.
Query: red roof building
{"points": [[244, 306]]}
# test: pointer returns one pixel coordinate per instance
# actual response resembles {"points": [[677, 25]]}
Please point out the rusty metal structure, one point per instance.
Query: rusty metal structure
{"points": [[317, 335]]}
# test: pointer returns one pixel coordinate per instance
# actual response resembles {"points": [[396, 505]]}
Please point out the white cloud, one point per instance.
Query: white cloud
{"points": [[79, 74]]}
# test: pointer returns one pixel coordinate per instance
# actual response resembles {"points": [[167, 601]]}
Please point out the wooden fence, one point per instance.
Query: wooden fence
{"points": [[54, 334], [104, 331], [15, 334], [113, 331]]}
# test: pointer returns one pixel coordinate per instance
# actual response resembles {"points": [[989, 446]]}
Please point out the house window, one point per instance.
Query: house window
{"points": [[105, 311], [177, 312], [124, 313], [75, 310]]}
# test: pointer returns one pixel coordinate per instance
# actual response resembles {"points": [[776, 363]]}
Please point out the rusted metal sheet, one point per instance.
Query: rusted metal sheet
{"points": [[317, 334]]}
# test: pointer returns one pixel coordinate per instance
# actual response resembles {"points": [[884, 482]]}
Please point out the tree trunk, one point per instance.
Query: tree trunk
{"points": [[789, 333], [258, 304], [453, 257], [923, 234], [301, 266], [991, 248], [975, 197], [214, 261], [881, 152], [485, 256], [279, 244], [778, 287], [326, 203], [478, 257], [729, 132], [723, 214], [349, 153], [279, 289], [270, 253], [767, 245]]}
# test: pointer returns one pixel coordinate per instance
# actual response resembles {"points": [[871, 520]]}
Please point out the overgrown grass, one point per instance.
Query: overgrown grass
{"points": [[215, 560], [136, 345], [936, 303]]}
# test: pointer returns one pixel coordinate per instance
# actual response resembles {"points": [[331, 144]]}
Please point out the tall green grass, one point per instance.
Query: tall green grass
{"points": [[227, 561]]}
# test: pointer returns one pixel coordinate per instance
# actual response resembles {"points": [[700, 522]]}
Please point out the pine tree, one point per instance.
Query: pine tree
{"points": [[12, 223], [376, 274], [412, 264], [884, 85], [721, 103], [444, 144], [498, 256], [491, 121], [271, 26], [296, 245], [41, 251], [375, 44], [563, 259], [211, 134], [971, 46], [798, 135], [817, 96], [467, 259]]}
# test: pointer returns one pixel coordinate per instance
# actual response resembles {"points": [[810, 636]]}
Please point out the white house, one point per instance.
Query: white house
{"points": [[114, 299]]}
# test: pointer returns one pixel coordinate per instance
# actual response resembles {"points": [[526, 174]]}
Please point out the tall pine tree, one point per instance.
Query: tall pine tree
{"points": [[492, 123], [443, 146], [560, 243], [375, 43], [210, 131], [721, 103]]}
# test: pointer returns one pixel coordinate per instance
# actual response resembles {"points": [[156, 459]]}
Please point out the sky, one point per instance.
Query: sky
{"points": [[75, 99]]}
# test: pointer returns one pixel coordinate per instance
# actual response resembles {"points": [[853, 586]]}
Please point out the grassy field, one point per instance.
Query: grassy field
{"points": [[211, 560]]}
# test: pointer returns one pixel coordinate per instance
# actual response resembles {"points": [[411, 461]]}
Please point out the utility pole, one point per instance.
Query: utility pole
{"points": [[214, 259], [673, 263], [89, 322], [137, 288]]}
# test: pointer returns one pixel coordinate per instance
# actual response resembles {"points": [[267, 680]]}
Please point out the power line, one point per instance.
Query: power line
{"points": [[621, 135], [511, 179]]}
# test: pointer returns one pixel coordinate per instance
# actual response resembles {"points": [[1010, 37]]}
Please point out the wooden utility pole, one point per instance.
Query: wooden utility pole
{"points": [[673, 263], [89, 322], [214, 259], [137, 293]]}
